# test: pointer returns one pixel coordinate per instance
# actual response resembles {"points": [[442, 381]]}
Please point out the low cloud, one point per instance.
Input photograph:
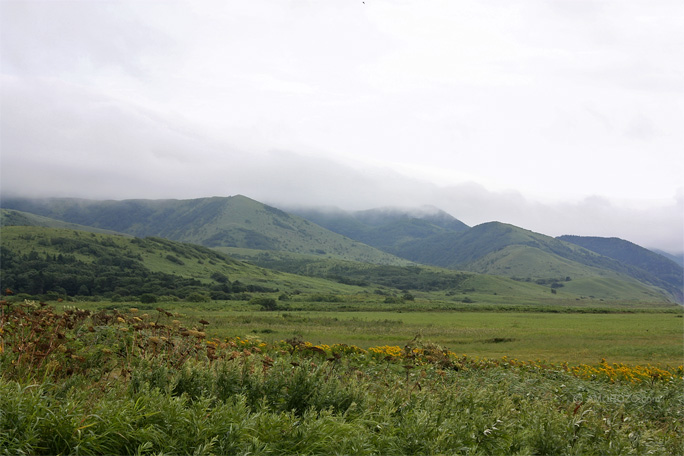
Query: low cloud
{"points": [[60, 139]]}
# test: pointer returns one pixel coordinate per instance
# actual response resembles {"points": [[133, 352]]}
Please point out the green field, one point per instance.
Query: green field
{"points": [[640, 338]]}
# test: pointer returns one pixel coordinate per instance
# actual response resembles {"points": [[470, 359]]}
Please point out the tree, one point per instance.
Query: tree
{"points": [[83, 291]]}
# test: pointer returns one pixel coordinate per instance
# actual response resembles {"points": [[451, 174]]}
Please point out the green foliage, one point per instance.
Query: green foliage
{"points": [[264, 302], [76, 266], [175, 259], [148, 298], [198, 297], [220, 277]]}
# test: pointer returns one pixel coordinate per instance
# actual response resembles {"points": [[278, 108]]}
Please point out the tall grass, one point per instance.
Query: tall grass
{"points": [[132, 392]]}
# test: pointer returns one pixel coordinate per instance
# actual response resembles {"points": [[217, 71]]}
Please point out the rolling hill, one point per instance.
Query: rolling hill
{"points": [[502, 249], [38, 260], [649, 266], [49, 263], [235, 221], [387, 229], [9, 217], [240, 226]]}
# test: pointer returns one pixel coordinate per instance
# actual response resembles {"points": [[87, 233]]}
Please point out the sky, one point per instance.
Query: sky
{"points": [[559, 116]]}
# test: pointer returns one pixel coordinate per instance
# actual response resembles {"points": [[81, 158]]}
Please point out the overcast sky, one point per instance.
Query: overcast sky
{"points": [[563, 117]]}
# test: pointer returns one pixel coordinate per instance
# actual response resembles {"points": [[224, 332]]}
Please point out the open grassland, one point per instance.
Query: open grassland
{"points": [[640, 337], [139, 381], [635, 338]]}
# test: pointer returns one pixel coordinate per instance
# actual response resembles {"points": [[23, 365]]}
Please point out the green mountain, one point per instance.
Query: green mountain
{"points": [[455, 285], [241, 226], [502, 249], [453, 250], [235, 221], [10, 217], [53, 262], [650, 266], [387, 229], [40, 260], [433, 237], [677, 258]]}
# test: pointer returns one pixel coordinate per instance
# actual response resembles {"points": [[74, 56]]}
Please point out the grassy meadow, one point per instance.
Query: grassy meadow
{"points": [[119, 378], [640, 337]]}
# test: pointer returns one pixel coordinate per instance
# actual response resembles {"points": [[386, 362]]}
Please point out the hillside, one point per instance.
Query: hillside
{"points": [[429, 236], [235, 221], [387, 228], [40, 261], [433, 237], [654, 266], [466, 248], [461, 286], [52, 262], [678, 258], [10, 217], [497, 248]]}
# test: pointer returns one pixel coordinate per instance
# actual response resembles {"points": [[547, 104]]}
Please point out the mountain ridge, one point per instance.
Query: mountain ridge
{"points": [[235, 221], [389, 236]]}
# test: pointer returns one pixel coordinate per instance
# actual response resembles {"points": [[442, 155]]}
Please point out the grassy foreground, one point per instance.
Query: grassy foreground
{"points": [[82, 382]]}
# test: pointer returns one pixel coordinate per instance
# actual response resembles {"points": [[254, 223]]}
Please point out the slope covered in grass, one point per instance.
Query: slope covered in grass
{"points": [[38, 260], [10, 217], [235, 221]]}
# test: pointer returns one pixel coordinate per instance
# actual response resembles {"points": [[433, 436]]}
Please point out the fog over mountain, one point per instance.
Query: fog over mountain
{"points": [[559, 117]]}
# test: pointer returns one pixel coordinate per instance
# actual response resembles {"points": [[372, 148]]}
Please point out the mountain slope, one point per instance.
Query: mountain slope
{"points": [[40, 260], [387, 228], [432, 238], [498, 248], [9, 217], [460, 249], [654, 266], [213, 222], [678, 258]]}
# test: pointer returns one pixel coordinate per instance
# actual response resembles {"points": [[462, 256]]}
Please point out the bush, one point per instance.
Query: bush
{"points": [[174, 259], [265, 303], [219, 277], [220, 296], [198, 297], [148, 298]]}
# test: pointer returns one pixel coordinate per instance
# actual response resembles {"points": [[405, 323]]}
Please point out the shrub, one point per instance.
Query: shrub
{"points": [[175, 259], [148, 298], [264, 302], [198, 297]]}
